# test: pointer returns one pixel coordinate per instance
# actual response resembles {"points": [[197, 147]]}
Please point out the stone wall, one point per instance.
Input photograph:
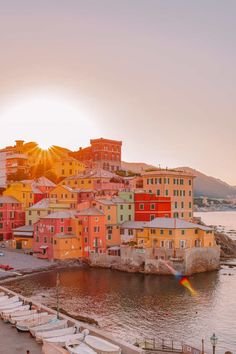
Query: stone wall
{"points": [[133, 260]]}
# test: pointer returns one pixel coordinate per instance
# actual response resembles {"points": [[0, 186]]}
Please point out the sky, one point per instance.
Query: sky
{"points": [[157, 74]]}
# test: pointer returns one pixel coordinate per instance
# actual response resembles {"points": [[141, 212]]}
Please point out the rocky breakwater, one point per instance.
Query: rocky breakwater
{"points": [[227, 245]]}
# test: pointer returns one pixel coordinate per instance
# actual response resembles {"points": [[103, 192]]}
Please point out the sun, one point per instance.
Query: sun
{"points": [[44, 146]]}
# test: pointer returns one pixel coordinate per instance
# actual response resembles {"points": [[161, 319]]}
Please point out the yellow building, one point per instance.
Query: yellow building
{"points": [[64, 195], [174, 234], [42, 209], [22, 191], [23, 237], [176, 184], [67, 167], [67, 247]]}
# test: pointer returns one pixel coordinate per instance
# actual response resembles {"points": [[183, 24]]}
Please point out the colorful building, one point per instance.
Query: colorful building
{"points": [[90, 225], [63, 194], [67, 167], [129, 231], [175, 184], [23, 237], [148, 206], [174, 234], [103, 182], [125, 207], [41, 209], [54, 237], [102, 153], [109, 208], [11, 216]]}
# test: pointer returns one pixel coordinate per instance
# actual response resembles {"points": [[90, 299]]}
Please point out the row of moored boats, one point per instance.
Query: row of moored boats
{"points": [[57, 335]]}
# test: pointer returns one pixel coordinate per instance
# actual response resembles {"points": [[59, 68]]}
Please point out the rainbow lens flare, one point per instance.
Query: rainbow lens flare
{"points": [[186, 283]]}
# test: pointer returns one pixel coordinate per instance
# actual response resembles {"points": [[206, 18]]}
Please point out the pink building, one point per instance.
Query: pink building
{"points": [[91, 226], [11, 216], [47, 228]]}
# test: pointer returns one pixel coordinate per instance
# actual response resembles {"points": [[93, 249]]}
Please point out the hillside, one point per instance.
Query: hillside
{"points": [[203, 185], [210, 186]]}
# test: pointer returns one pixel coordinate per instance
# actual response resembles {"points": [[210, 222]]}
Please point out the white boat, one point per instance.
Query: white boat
{"points": [[23, 326], [22, 317], [8, 300], [63, 339], [57, 324], [7, 313], [4, 298], [40, 336], [51, 348], [77, 347], [101, 346], [11, 306]]}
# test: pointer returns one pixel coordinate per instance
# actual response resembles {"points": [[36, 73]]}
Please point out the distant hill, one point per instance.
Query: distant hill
{"points": [[136, 167], [203, 185], [210, 186]]}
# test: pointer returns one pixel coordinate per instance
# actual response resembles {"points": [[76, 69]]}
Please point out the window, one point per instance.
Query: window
{"points": [[121, 218], [62, 229], [158, 192], [129, 207], [189, 182], [30, 222], [38, 212], [176, 205], [153, 231], [170, 232], [30, 212], [190, 205], [55, 242], [141, 206], [1, 225], [121, 207], [190, 214], [45, 239], [130, 232], [129, 217], [182, 205], [52, 229], [166, 192], [182, 232], [51, 240], [108, 217], [162, 243], [190, 193], [182, 243], [162, 232], [152, 206], [196, 231], [152, 217]]}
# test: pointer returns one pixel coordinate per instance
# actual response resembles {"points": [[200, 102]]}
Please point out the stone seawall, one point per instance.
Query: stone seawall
{"points": [[195, 260]]}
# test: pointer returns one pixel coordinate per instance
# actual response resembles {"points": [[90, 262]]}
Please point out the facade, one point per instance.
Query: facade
{"points": [[64, 195], [90, 225], [175, 234], [177, 185], [11, 216], [25, 192], [148, 206], [99, 180], [23, 237], [129, 231], [109, 208], [42, 209], [67, 167], [48, 233], [125, 207], [102, 153]]}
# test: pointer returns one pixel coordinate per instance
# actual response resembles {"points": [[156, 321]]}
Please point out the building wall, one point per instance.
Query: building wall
{"points": [[106, 154], [67, 248], [67, 167], [11, 217], [27, 242], [148, 206], [63, 196], [176, 185], [125, 212], [22, 192]]}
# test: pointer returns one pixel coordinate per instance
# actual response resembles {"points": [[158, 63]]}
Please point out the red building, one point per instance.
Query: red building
{"points": [[102, 153], [91, 226], [11, 216], [148, 207]]}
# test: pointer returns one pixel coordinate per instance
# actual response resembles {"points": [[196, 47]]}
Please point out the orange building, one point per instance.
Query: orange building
{"points": [[176, 184]]}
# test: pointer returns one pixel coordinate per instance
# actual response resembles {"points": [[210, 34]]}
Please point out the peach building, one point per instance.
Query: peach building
{"points": [[178, 185]]}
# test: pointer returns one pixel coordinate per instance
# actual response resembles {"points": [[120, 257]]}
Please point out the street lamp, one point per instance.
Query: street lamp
{"points": [[214, 340]]}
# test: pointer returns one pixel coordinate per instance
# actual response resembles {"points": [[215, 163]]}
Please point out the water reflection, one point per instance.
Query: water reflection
{"points": [[135, 306]]}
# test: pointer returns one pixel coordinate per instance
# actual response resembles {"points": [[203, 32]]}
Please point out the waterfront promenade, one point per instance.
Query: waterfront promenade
{"points": [[13, 342]]}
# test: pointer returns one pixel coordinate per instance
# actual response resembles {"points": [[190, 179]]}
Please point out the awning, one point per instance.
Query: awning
{"points": [[43, 247], [114, 248]]}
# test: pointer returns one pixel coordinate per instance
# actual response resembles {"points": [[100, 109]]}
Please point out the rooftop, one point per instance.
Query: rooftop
{"points": [[90, 211], [133, 225], [61, 215], [9, 200], [174, 223]]}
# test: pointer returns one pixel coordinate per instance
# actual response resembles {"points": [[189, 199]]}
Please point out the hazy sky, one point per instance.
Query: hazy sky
{"points": [[158, 74]]}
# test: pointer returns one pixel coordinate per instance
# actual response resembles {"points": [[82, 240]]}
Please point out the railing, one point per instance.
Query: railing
{"points": [[166, 345]]}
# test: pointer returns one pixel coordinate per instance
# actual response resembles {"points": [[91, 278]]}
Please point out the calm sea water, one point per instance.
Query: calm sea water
{"points": [[224, 221], [134, 306]]}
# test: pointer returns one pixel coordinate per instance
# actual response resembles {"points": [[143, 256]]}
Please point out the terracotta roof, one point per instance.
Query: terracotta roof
{"points": [[42, 204], [25, 228], [61, 215]]}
